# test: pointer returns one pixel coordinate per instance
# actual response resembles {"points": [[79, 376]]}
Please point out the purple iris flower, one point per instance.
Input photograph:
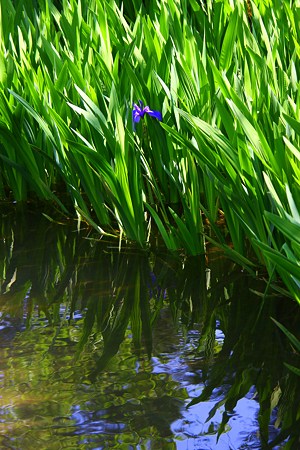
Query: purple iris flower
{"points": [[138, 112]]}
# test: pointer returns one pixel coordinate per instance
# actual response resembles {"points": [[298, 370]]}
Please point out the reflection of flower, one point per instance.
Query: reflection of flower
{"points": [[155, 290], [138, 112]]}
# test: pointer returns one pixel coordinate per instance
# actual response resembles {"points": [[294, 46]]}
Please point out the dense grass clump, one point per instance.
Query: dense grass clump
{"points": [[224, 75]]}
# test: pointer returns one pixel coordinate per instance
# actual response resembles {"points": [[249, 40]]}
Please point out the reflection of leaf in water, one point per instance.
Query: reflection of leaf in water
{"points": [[288, 416], [113, 335], [12, 300], [127, 305], [294, 341], [289, 433], [250, 357], [293, 369]]}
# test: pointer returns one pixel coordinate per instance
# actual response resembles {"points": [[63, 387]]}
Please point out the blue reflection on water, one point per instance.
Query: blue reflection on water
{"points": [[194, 429], [191, 429]]}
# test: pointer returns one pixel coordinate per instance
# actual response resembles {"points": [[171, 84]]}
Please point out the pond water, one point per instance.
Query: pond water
{"points": [[101, 348]]}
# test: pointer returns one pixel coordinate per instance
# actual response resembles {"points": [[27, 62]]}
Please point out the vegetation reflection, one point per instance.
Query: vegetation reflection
{"points": [[75, 312]]}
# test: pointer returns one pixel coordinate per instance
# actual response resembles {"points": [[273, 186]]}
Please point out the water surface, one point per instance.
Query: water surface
{"points": [[106, 349]]}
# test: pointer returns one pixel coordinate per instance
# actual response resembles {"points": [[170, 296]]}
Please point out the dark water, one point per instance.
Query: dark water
{"points": [[106, 349]]}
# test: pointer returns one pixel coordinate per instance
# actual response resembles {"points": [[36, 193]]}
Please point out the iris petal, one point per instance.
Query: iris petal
{"points": [[137, 113], [156, 114], [136, 116]]}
